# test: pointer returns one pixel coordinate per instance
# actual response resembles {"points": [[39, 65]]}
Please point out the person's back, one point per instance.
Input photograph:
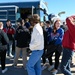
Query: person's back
{"points": [[36, 46], [3, 47], [64, 26], [69, 37], [68, 44]]}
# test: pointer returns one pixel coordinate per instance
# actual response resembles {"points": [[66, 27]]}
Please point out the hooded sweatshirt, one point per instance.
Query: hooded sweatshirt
{"points": [[69, 36]]}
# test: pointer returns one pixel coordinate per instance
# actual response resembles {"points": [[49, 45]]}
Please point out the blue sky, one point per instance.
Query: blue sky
{"points": [[56, 6]]}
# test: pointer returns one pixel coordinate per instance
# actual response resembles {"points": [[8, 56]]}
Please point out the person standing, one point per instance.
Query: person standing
{"points": [[10, 33], [3, 47], [45, 44], [22, 38], [36, 46], [55, 46], [64, 26], [46, 32], [68, 45]]}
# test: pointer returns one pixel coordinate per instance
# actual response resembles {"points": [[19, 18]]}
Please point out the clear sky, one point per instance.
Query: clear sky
{"points": [[56, 6]]}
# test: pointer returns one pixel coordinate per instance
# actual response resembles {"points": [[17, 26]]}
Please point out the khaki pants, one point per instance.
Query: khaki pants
{"points": [[24, 56]]}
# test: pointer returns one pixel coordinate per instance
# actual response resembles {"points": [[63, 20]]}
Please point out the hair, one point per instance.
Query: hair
{"points": [[26, 19], [36, 18], [19, 20], [8, 20], [54, 27], [48, 22], [1, 25]]}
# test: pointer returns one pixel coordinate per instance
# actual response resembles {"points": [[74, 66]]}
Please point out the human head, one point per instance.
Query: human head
{"points": [[64, 23], [23, 22], [57, 24], [42, 24], [26, 20], [48, 23], [8, 23], [19, 22], [35, 19], [1, 25]]}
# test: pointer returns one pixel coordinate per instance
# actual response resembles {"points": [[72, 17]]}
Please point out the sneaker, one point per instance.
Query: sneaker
{"points": [[44, 67], [25, 68], [54, 71], [17, 66], [50, 68], [3, 71], [11, 55]]}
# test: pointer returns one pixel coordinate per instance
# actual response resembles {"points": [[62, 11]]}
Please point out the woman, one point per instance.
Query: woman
{"points": [[55, 45], [36, 46]]}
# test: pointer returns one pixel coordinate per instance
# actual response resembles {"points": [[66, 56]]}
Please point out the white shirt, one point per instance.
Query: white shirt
{"points": [[37, 39]]}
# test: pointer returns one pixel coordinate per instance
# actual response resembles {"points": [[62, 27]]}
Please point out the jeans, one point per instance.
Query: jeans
{"points": [[66, 60], [34, 63], [9, 46], [3, 58], [43, 57]]}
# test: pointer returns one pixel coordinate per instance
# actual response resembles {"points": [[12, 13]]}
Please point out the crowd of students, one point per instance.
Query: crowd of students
{"points": [[43, 39]]}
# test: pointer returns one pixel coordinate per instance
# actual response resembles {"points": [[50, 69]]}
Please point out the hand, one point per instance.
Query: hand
{"points": [[72, 19]]}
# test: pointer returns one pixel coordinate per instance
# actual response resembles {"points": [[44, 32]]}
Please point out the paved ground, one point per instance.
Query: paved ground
{"points": [[21, 71]]}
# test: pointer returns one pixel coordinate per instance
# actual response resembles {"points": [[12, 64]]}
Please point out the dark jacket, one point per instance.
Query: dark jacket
{"points": [[22, 37], [3, 40], [49, 30], [45, 37]]}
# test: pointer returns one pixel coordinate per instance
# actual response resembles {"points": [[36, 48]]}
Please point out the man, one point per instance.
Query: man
{"points": [[22, 38], [36, 46], [3, 47], [68, 45], [10, 31]]}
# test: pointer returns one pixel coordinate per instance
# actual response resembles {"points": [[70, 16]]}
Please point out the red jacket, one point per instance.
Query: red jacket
{"points": [[69, 36], [10, 32]]}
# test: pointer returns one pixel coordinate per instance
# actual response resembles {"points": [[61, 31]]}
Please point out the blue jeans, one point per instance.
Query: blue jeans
{"points": [[9, 46], [66, 60], [34, 63]]}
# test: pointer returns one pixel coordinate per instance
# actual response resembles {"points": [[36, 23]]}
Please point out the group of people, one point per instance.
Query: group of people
{"points": [[43, 41], [18, 35]]}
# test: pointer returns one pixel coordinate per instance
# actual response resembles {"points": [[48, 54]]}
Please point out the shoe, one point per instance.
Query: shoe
{"points": [[11, 55], [54, 71], [44, 67], [17, 66], [3, 71], [50, 68], [25, 68]]}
